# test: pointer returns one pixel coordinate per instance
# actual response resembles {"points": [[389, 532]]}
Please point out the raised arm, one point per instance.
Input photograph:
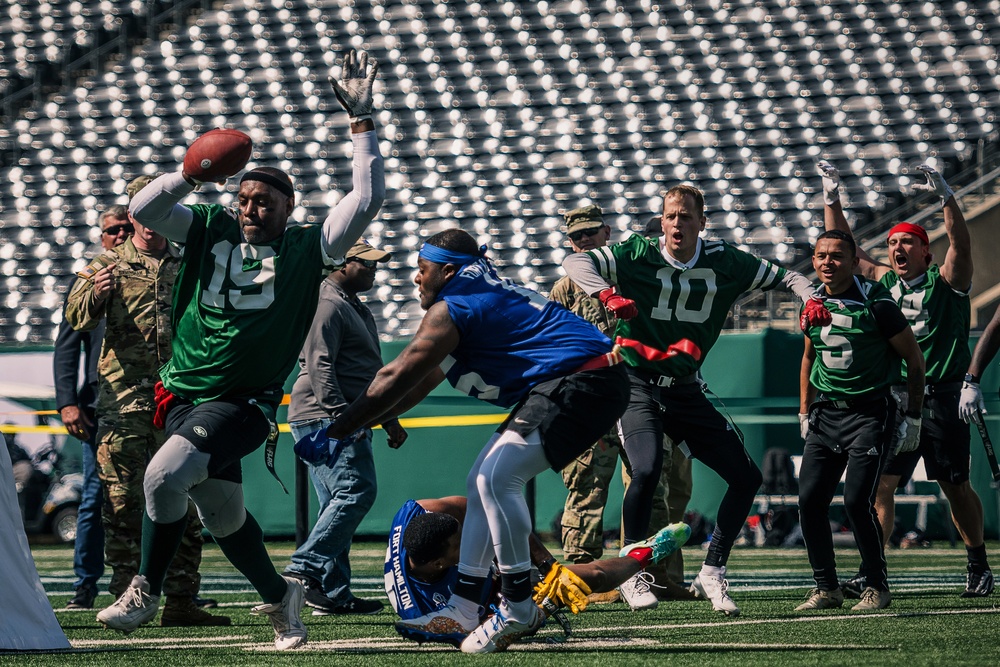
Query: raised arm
{"points": [[436, 338], [957, 267], [352, 214], [834, 218], [158, 207]]}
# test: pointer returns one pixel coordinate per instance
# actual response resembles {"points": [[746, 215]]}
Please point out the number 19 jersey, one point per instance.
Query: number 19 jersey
{"points": [[678, 303], [241, 311]]}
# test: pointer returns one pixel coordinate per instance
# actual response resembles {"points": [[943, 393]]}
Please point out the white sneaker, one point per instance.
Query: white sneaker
{"points": [[715, 589], [500, 631], [135, 607], [635, 591], [289, 632], [446, 625]]}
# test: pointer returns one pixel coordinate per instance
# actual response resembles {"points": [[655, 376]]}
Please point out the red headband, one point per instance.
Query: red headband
{"points": [[909, 228]]}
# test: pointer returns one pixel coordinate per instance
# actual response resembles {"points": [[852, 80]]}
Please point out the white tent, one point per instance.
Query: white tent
{"points": [[26, 618]]}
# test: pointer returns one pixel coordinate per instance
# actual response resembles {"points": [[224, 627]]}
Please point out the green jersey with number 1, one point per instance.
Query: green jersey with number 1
{"points": [[853, 356], [241, 311], [679, 303], [939, 315]]}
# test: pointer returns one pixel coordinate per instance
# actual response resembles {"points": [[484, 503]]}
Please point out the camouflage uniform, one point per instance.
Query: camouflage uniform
{"points": [[136, 344], [588, 477]]}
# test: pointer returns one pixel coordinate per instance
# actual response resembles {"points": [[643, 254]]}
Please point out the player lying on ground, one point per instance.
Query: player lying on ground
{"points": [[421, 567]]}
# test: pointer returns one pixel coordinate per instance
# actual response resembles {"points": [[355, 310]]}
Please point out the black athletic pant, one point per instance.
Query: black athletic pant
{"points": [[686, 415], [855, 438]]}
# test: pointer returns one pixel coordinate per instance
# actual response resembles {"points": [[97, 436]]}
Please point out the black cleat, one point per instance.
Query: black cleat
{"points": [[854, 587], [978, 584]]}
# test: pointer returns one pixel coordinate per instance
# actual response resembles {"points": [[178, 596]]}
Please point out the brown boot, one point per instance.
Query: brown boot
{"points": [[182, 612]]}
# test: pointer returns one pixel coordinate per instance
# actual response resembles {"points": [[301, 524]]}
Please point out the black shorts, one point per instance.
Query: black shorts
{"points": [[866, 427], [571, 413], [225, 429], [944, 443]]}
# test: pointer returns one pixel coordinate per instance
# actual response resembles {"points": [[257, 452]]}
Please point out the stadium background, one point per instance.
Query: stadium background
{"points": [[497, 116]]}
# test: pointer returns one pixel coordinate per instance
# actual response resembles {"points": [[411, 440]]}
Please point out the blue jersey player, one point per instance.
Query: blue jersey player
{"points": [[511, 347], [421, 563]]}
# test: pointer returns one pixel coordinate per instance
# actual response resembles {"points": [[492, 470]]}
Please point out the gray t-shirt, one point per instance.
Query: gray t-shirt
{"points": [[339, 358]]}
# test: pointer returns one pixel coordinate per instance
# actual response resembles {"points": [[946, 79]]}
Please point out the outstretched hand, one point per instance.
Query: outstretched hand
{"points": [[354, 87], [935, 183], [831, 182]]}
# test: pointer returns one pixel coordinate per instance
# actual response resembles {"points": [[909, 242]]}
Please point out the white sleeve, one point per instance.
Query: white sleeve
{"points": [[156, 206], [581, 270], [799, 284], [352, 214]]}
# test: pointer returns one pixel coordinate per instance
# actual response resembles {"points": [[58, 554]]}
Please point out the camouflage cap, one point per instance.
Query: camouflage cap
{"points": [[586, 217], [137, 184], [365, 250]]}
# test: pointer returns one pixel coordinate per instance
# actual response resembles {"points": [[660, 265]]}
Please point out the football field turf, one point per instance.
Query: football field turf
{"points": [[927, 624]]}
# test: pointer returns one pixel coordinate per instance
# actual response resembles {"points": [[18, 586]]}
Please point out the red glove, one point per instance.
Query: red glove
{"points": [[621, 307], [814, 314], [164, 402]]}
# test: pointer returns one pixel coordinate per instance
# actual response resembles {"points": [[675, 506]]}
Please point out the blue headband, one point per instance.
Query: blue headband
{"points": [[438, 255]]}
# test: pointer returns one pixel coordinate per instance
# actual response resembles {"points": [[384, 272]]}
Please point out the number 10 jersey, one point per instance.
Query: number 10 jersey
{"points": [[678, 303]]}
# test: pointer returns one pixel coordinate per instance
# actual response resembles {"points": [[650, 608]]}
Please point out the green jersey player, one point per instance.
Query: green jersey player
{"points": [[935, 301], [672, 296], [243, 303], [851, 363]]}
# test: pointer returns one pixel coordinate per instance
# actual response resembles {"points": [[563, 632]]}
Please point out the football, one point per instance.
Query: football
{"points": [[217, 155]]}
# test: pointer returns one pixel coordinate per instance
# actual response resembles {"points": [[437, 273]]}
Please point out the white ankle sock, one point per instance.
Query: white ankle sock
{"points": [[468, 609]]}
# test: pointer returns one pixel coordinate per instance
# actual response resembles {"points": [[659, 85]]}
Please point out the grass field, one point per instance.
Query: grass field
{"points": [[927, 624]]}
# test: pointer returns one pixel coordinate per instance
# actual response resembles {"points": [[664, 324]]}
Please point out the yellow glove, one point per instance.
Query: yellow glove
{"points": [[564, 588]]}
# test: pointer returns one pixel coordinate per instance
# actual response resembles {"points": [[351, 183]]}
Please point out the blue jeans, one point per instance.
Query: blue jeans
{"points": [[88, 550], [346, 492]]}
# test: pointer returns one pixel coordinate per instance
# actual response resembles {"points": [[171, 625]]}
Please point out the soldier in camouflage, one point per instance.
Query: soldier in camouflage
{"points": [[588, 477], [131, 287]]}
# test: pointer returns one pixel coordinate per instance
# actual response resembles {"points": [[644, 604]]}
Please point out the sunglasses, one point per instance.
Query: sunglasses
{"points": [[367, 263], [578, 236], [115, 230]]}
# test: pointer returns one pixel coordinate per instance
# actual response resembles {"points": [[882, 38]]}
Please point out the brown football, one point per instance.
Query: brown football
{"points": [[217, 155]]}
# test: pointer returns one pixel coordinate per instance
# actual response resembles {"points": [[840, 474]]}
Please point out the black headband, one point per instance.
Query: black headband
{"points": [[263, 177]]}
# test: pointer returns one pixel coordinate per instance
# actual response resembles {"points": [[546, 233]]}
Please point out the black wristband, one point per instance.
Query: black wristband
{"points": [[969, 377], [546, 565]]}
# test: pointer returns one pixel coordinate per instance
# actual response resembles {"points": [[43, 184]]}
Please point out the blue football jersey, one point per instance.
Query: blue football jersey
{"points": [[512, 338], [411, 597]]}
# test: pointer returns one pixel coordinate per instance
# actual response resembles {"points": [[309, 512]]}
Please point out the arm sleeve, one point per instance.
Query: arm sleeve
{"points": [[352, 214], [799, 284], [157, 206], [582, 269], [320, 352], [66, 365], [889, 318]]}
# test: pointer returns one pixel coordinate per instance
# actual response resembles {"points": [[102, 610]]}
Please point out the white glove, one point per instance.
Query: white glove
{"points": [[831, 182], [803, 425], [970, 403], [354, 89], [935, 183], [908, 435]]}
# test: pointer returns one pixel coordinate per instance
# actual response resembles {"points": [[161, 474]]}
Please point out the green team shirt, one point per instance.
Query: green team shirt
{"points": [[940, 317], [241, 311], [678, 303], [853, 355]]}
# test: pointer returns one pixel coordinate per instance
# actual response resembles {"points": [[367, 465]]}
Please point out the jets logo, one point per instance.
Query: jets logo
{"points": [[200, 431]]}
